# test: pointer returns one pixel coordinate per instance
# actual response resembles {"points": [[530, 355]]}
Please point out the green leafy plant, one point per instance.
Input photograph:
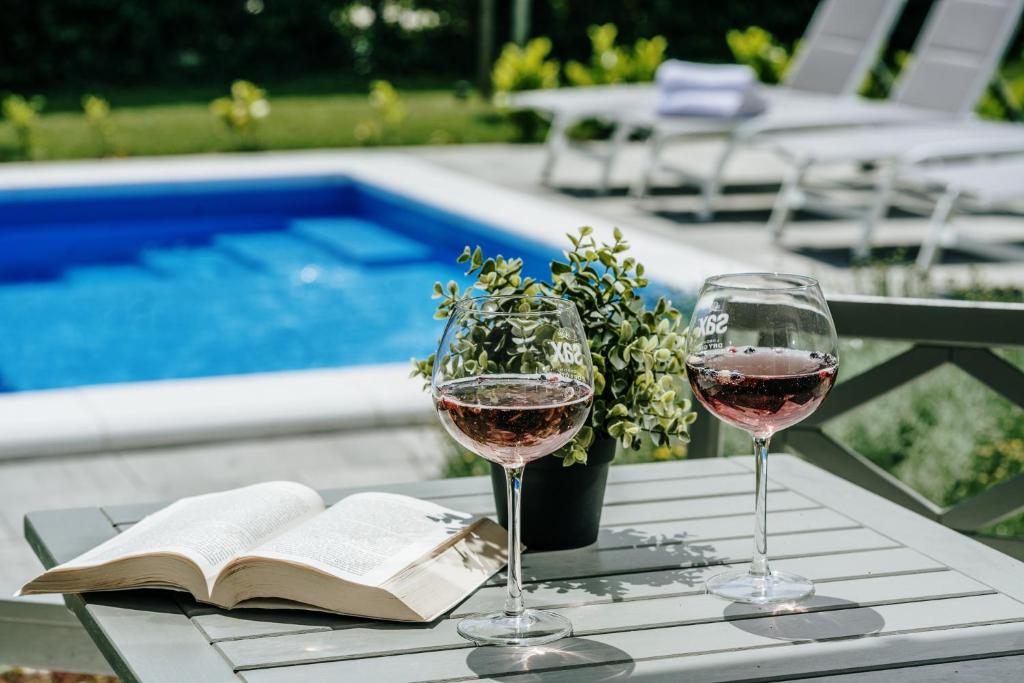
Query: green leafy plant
{"points": [[648, 54], [523, 68], [758, 49], [638, 352], [386, 112], [23, 115], [993, 463], [242, 111], [611, 63], [97, 115]]}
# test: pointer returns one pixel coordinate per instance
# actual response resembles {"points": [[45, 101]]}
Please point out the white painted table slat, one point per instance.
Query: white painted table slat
{"points": [[899, 598]]}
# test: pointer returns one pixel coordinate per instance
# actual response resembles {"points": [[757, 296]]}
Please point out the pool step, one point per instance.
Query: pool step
{"points": [[359, 240]]}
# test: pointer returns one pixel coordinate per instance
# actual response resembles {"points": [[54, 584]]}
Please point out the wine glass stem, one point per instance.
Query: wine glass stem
{"points": [[513, 490], [759, 565]]}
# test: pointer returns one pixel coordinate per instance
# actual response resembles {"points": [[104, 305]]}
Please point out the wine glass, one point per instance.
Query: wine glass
{"points": [[761, 355], [513, 382]]}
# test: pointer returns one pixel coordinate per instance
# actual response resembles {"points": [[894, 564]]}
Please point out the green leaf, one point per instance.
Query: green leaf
{"points": [[618, 410]]}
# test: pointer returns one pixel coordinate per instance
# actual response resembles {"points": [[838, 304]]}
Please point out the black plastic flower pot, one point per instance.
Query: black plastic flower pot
{"points": [[561, 506]]}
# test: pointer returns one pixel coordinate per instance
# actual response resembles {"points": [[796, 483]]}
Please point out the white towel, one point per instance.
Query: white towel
{"points": [[678, 75], [710, 103]]}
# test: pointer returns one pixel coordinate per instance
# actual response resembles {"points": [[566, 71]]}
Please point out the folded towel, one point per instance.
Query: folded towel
{"points": [[710, 103], [678, 75]]}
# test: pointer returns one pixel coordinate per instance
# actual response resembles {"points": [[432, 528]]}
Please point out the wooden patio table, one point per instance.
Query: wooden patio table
{"points": [[899, 598]]}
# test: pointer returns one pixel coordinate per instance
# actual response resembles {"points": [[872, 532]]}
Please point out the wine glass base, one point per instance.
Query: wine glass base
{"points": [[775, 587], [532, 627]]}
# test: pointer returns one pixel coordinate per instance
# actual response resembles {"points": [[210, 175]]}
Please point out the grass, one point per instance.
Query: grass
{"points": [[150, 126], [314, 111]]}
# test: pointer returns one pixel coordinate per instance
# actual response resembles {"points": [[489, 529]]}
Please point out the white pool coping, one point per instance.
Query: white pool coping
{"points": [[171, 412]]}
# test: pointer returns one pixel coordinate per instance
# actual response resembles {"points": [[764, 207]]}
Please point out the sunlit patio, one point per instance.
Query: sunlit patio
{"points": [[208, 283]]}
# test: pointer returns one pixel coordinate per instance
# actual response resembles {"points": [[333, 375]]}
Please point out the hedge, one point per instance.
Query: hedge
{"points": [[66, 44]]}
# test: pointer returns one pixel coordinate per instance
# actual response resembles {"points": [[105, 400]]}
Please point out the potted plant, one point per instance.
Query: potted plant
{"points": [[638, 355]]}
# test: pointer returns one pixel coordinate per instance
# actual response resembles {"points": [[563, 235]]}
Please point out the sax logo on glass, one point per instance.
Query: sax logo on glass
{"points": [[711, 327], [565, 354], [713, 324], [570, 353]]}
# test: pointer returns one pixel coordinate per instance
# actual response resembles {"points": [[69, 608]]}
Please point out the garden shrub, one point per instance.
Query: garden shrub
{"points": [[23, 116], [242, 111], [611, 63], [524, 68], [759, 50], [97, 115], [387, 111]]}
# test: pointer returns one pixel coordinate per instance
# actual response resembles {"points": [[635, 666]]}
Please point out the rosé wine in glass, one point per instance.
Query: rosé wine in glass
{"points": [[761, 355], [516, 419], [761, 390], [513, 381]]}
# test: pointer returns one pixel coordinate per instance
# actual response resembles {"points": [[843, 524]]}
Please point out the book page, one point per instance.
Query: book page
{"points": [[212, 529], [368, 537]]}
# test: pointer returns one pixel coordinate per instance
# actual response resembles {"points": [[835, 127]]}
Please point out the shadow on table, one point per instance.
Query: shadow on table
{"points": [[532, 662], [818, 618], [605, 570]]}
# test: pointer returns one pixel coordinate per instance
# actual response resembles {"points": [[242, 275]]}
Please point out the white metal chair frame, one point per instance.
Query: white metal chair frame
{"points": [[802, 77], [912, 88], [630, 108], [958, 194]]}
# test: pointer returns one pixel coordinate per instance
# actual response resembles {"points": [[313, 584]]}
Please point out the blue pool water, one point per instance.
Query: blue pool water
{"points": [[186, 280]]}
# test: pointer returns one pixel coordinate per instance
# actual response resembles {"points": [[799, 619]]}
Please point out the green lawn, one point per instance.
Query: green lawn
{"points": [[296, 121], [318, 110]]}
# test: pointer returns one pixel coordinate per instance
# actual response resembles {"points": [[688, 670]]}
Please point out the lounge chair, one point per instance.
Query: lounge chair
{"points": [[840, 45], [963, 185], [953, 61], [959, 51]]}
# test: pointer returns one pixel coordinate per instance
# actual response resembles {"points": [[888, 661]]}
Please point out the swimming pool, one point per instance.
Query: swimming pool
{"points": [[169, 280]]}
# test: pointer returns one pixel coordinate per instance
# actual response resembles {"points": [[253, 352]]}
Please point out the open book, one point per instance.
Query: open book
{"points": [[376, 555]]}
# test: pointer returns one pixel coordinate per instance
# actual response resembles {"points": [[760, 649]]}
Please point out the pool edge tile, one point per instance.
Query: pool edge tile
{"points": [[55, 422]]}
